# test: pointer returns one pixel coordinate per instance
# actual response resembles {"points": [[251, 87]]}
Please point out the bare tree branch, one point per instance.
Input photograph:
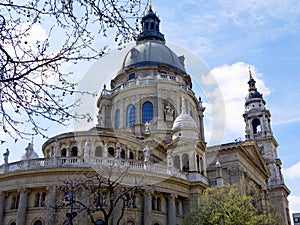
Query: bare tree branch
{"points": [[33, 81]]}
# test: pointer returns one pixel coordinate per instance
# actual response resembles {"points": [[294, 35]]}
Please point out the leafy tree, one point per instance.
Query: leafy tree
{"points": [[228, 206], [39, 37]]}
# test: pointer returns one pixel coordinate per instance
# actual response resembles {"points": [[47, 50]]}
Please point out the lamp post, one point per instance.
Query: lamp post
{"points": [[70, 197]]}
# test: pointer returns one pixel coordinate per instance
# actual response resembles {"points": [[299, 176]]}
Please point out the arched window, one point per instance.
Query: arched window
{"points": [[43, 199], [177, 207], [123, 154], [147, 112], [38, 222], [130, 115], [98, 151], [126, 200], [64, 152], [37, 200], [99, 222], [131, 76], [185, 162], [198, 163], [104, 196], [130, 223], [256, 126], [13, 202], [177, 162], [152, 25], [131, 155], [111, 152], [153, 203], [117, 119], [158, 204], [74, 151]]}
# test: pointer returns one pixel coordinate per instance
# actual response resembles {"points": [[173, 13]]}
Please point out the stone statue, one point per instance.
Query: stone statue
{"points": [[147, 153], [87, 148], [118, 152], [169, 112], [100, 120], [169, 160], [6, 154], [29, 153], [29, 150], [56, 148], [147, 128], [105, 150]]}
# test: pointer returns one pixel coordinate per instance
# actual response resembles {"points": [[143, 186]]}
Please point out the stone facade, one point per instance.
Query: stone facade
{"points": [[150, 124]]}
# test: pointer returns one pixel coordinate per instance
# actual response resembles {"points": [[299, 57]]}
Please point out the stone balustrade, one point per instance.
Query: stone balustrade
{"points": [[93, 162]]}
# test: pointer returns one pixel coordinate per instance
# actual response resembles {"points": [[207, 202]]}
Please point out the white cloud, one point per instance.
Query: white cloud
{"points": [[292, 172], [232, 89], [294, 204]]}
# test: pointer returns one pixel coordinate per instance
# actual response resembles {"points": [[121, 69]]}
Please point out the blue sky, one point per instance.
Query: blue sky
{"points": [[228, 37]]}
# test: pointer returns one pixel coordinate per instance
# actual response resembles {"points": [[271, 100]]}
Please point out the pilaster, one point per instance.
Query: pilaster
{"points": [[21, 217], [147, 208], [2, 204], [171, 210]]}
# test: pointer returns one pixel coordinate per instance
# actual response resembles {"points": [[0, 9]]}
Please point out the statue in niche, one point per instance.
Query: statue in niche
{"points": [[100, 119], [56, 151], [147, 128], [169, 112], [147, 153], [118, 152], [87, 148], [169, 160], [105, 150], [5, 155]]}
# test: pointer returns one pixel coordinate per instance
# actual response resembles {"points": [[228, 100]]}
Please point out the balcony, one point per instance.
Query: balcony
{"points": [[92, 162]]}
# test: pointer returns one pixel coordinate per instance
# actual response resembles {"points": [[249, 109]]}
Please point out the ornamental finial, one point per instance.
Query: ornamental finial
{"points": [[250, 73], [150, 5]]}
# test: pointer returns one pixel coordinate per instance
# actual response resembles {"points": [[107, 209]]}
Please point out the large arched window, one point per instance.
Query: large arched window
{"points": [[117, 119], [37, 200], [177, 162], [99, 222], [64, 152], [130, 115], [256, 126], [38, 222], [74, 151], [98, 151], [147, 112], [111, 152], [185, 162]]}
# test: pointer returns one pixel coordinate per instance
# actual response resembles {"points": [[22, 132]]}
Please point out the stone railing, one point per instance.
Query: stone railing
{"points": [[132, 83], [93, 162]]}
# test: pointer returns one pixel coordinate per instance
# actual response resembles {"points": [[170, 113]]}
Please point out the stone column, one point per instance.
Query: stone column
{"points": [[21, 217], [147, 208], [171, 210], [50, 205], [2, 204]]}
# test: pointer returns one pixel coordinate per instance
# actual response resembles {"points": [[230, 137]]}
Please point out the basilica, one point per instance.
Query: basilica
{"points": [[146, 160]]}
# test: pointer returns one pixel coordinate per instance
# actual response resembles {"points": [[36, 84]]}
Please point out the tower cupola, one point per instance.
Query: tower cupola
{"points": [[253, 93], [150, 25]]}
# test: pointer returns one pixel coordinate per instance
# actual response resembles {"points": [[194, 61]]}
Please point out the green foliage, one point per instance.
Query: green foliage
{"points": [[228, 206]]}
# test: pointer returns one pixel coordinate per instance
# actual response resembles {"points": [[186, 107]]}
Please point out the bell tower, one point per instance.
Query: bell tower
{"points": [[258, 128]]}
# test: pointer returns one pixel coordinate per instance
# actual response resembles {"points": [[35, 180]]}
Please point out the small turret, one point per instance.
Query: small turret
{"points": [[150, 25]]}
